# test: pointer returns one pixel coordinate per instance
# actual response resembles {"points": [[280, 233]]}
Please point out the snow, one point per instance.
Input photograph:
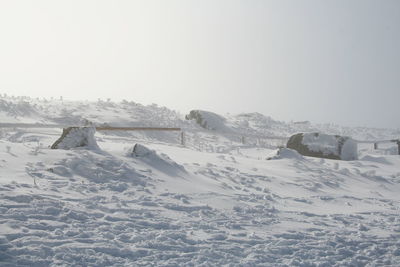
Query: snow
{"points": [[287, 153], [143, 199]]}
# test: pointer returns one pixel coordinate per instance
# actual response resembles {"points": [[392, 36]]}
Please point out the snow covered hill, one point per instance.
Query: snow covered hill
{"points": [[128, 113], [217, 201]]}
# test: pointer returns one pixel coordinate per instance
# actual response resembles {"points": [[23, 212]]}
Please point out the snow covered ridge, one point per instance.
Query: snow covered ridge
{"points": [[324, 146]]}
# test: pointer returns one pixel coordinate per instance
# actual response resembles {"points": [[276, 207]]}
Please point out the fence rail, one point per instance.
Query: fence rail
{"points": [[31, 125], [98, 128], [377, 141], [137, 129]]}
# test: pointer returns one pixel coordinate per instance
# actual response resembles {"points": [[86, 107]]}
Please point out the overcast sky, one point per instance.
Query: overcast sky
{"points": [[324, 61]]}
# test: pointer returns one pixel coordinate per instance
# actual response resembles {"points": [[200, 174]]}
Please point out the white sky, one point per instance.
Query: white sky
{"points": [[325, 61]]}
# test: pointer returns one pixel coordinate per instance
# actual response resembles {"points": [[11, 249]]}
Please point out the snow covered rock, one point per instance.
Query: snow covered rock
{"points": [[324, 146], [208, 120], [141, 151], [161, 162], [73, 137]]}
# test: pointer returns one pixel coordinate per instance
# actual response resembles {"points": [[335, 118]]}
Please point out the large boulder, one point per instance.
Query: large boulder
{"points": [[73, 137], [324, 146]]}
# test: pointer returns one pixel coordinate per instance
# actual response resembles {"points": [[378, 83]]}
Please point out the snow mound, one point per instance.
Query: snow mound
{"points": [[324, 146], [375, 159], [286, 153], [73, 137], [161, 162], [289, 153]]}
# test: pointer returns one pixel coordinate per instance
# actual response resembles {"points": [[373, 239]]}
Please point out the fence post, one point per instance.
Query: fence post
{"points": [[182, 138], [398, 146]]}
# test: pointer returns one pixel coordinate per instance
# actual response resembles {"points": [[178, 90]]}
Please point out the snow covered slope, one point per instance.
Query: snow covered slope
{"points": [[213, 202]]}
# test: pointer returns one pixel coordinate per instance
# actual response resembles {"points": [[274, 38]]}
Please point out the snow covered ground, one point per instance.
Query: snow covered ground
{"points": [[213, 202]]}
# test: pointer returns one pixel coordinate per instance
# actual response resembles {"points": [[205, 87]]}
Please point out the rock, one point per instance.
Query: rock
{"points": [[324, 146], [73, 137]]}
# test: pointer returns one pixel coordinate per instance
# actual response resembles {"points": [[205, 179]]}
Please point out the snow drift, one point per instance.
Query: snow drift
{"points": [[286, 153]]}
